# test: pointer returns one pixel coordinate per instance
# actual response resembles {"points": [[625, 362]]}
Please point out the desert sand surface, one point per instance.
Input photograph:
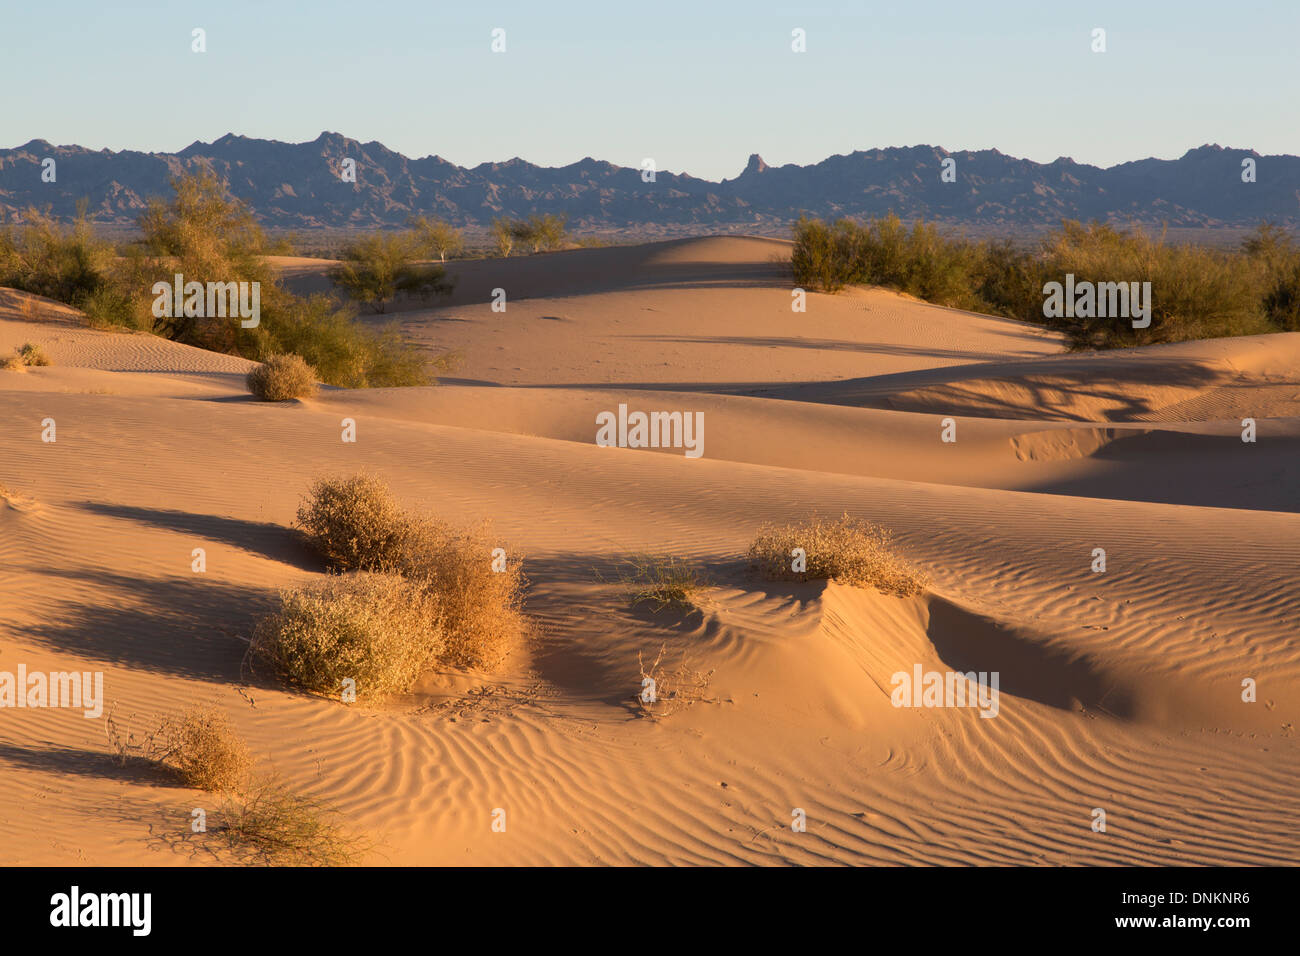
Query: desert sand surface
{"points": [[1120, 690]]}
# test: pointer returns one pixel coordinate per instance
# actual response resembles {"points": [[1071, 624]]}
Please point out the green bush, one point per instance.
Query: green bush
{"points": [[376, 268], [206, 236], [1196, 292]]}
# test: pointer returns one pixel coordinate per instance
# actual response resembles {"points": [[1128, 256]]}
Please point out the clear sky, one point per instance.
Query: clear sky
{"points": [[697, 85]]}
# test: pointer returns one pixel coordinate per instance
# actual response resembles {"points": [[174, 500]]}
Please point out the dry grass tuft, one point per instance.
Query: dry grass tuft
{"points": [[282, 377], [380, 630], [202, 747], [663, 580], [271, 825], [847, 551]]}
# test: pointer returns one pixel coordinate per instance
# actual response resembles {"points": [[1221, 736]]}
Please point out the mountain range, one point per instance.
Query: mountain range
{"points": [[299, 186]]}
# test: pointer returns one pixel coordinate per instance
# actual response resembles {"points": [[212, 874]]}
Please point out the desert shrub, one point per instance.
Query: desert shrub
{"points": [[1277, 259], [12, 363], [503, 236], [111, 307], [663, 580], [437, 236], [203, 749], [271, 825], [380, 630], [282, 377], [1196, 292], [33, 355], [376, 268], [482, 608], [541, 232], [67, 263], [206, 235], [355, 524], [846, 550]]}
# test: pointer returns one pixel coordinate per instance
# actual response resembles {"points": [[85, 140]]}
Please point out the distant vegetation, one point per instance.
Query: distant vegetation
{"points": [[1196, 292], [205, 236], [376, 268], [437, 236], [541, 233]]}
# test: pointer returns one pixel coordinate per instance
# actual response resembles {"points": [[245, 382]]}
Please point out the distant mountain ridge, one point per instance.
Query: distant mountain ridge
{"points": [[297, 185]]}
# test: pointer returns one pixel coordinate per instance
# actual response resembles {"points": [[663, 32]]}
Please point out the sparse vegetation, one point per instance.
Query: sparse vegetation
{"points": [[355, 524], [26, 356], [271, 825], [437, 236], [462, 608], [379, 630], [282, 377], [503, 236], [541, 232], [666, 690], [376, 268], [204, 750], [199, 746], [67, 263], [846, 550], [206, 236], [663, 580], [1196, 292]]}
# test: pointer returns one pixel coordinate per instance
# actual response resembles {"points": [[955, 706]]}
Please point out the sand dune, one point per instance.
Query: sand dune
{"points": [[1119, 691]]}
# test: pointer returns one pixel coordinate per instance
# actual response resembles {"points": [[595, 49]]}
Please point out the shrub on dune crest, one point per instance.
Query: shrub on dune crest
{"points": [[282, 377], [1196, 292], [847, 551]]}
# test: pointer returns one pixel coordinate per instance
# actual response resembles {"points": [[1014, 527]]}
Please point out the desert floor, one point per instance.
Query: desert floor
{"points": [[1120, 690]]}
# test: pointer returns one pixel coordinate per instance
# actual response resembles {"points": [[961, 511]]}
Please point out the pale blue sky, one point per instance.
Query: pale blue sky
{"points": [[696, 85]]}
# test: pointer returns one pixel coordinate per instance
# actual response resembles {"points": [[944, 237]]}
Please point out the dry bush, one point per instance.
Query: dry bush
{"points": [[273, 826], [33, 355], [847, 551], [282, 377], [380, 630], [355, 523], [663, 580], [673, 688], [201, 746], [482, 609], [13, 363]]}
